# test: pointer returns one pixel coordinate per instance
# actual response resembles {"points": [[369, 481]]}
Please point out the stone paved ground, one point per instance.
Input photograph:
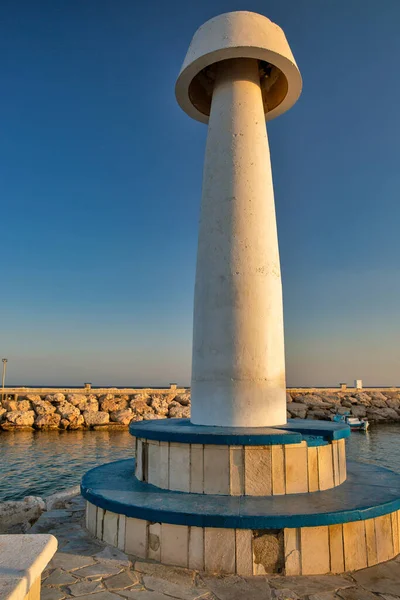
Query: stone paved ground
{"points": [[85, 569]]}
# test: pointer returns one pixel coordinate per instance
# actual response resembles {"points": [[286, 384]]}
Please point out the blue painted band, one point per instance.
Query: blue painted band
{"points": [[293, 432], [368, 492]]}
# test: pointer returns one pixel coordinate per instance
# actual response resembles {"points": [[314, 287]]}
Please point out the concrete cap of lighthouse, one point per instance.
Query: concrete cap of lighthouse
{"points": [[239, 70], [240, 34]]}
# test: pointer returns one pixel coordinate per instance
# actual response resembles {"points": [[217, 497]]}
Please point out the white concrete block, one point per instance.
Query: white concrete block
{"points": [[236, 464], [136, 537], [315, 554], [174, 545], [258, 471], [139, 459], [163, 470], [91, 517], [244, 552], [292, 551], [278, 470], [110, 528], [216, 469], [121, 532], [154, 541], [196, 548], [179, 467], [219, 550], [99, 524], [196, 468], [153, 468]]}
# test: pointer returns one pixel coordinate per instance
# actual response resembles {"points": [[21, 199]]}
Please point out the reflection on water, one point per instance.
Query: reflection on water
{"points": [[41, 463]]}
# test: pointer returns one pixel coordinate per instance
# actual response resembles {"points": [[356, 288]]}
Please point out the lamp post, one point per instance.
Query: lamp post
{"points": [[3, 377]]}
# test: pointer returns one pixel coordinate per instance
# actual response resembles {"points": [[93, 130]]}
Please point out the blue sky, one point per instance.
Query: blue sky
{"points": [[100, 182]]}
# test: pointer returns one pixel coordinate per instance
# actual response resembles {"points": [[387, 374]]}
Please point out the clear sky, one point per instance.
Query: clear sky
{"points": [[100, 183]]}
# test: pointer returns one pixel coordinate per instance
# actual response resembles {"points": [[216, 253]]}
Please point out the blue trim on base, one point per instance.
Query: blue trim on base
{"points": [[293, 432], [368, 492]]}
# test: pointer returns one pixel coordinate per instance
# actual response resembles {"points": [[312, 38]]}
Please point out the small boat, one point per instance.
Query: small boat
{"points": [[355, 423]]}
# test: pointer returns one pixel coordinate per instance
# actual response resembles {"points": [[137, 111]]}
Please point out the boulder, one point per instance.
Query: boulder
{"points": [[319, 415], [32, 397], [359, 411], [76, 399], [382, 414], [58, 397], [393, 402], [288, 398], [42, 407], [159, 405], [330, 398], [60, 499], [361, 398], [183, 399], [140, 407], [67, 410], [297, 410], [76, 422], [122, 416], [347, 403], [10, 405], [153, 416], [64, 423], [2, 413], [27, 510], [377, 396], [51, 421], [378, 400], [308, 399], [113, 404], [96, 418], [21, 418], [179, 412]]}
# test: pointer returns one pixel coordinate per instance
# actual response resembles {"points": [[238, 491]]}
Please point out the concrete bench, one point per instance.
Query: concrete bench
{"points": [[23, 558]]}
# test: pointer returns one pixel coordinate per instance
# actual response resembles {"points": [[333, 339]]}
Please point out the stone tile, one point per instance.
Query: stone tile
{"points": [[216, 469], [314, 543], [174, 544], [372, 557], [244, 552], [382, 579], [91, 517], [285, 594], [121, 532], [278, 470], [101, 596], [179, 467], [136, 537], [60, 577], [154, 542], [113, 556], [97, 571], [51, 594], [325, 467], [335, 456], [121, 581], [258, 471], [69, 562], [395, 532], [83, 547], [237, 588], [196, 548], [342, 460], [196, 468], [324, 596], [110, 528], [177, 575], [173, 589], [336, 548], [355, 548], [153, 465], [163, 469], [304, 585], [143, 595], [313, 479], [296, 471], [236, 468], [355, 593], [85, 587], [384, 538], [219, 550], [292, 551], [139, 460], [99, 526]]}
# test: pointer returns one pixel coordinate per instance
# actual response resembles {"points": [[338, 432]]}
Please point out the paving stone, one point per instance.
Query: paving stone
{"points": [[355, 593], [177, 575], [237, 588], [101, 596], [173, 589], [82, 547], [383, 578], [51, 594], [284, 594], [308, 584], [85, 587], [326, 596], [69, 562], [97, 571], [113, 556], [60, 577], [121, 581], [143, 595]]}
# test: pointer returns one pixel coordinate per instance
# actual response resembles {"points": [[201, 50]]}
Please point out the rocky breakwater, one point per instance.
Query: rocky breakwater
{"points": [[80, 411], [377, 406]]}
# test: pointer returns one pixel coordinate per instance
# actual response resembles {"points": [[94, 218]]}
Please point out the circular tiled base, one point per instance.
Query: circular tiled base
{"points": [[346, 528]]}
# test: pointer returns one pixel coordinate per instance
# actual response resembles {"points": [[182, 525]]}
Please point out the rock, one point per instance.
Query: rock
{"points": [[58, 397], [179, 412], [378, 397], [152, 416], [319, 415], [24, 405], [21, 418], [359, 411], [47, 421], [122, 416], [159, 405], [64, 424], [33, 397], [344, 410], [96, 418], [58, 500], [10, 405], [347, 403], [67, 410], [308, 399], [183, 399], [288, 398], [361, 398], [43, 407], [382, 414], [2, 412], [140, 407], [297, 410], [113, 404], [76, 422], [330, 398], [27, 510], [76, 399], [393, 403]]}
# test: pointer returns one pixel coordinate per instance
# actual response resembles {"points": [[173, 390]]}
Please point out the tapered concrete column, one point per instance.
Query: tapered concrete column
{"points": [[229, 80]]}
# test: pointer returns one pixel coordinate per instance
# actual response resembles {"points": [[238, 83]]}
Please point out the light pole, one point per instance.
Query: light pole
{"points": [[3, 377]]}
